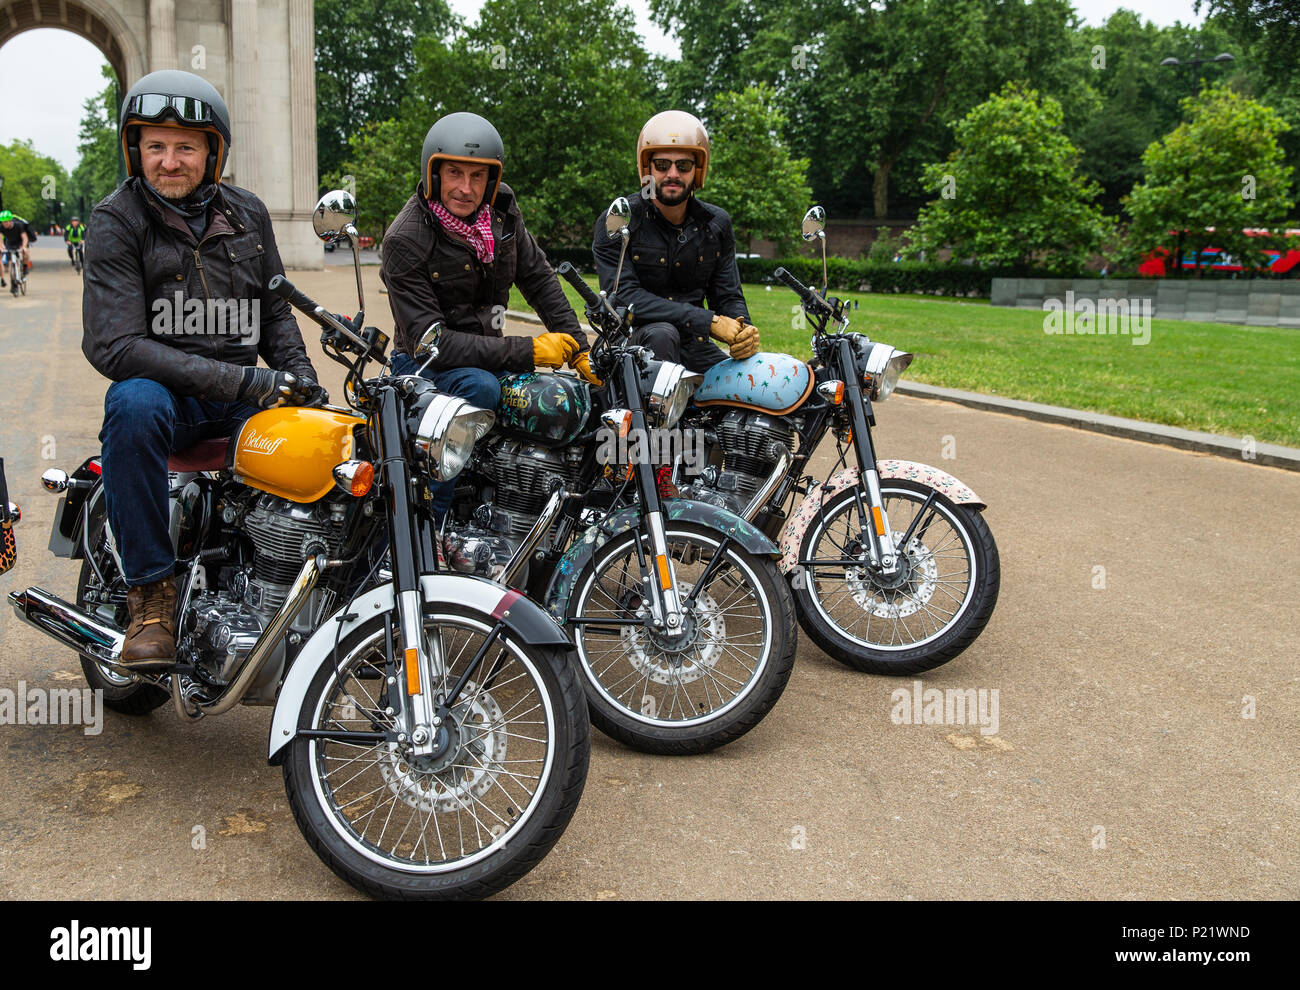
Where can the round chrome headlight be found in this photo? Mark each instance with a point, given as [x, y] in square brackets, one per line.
[881, 367]
[670, 390]
[448, 429]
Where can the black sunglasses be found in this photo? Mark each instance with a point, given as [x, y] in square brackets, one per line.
[152, 106]
[685, 166]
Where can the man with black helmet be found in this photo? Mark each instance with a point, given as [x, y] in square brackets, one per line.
[681, 253]
[450, 257]
[174, 232]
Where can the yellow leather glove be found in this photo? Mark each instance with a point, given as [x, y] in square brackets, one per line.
[582, 365]
[739, 336]
[553, 350]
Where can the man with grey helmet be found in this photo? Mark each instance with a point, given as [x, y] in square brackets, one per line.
[174, 232]
[450, 258]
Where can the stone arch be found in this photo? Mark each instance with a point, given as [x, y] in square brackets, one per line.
[98, 21]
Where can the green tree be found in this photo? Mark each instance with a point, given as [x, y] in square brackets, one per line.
[752, 174]
[32, 182]
[95, 175]
[381, 169]
[1010, 192]
[365, 54]
[566, 83]
[871, 89]
[1221, 168]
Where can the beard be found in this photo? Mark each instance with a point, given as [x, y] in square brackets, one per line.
[673, 197]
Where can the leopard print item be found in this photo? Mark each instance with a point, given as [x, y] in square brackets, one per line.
[8, 547]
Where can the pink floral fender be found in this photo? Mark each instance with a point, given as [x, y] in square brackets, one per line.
[807, 510]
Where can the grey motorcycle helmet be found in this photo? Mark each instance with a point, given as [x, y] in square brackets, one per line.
[463, 137]
[175, 98]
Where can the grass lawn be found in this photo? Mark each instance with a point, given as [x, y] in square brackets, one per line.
[1221, 378]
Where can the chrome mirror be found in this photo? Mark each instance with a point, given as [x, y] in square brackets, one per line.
[814, 226]
[334, 218]
[335, 212]
[617, 218]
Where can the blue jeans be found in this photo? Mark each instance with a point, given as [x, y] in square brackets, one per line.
[144, 423]
[474, 385]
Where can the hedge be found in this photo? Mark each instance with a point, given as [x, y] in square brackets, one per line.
[854, 275]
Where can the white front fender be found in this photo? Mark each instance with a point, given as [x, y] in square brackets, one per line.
[493, 600]
[890, 470]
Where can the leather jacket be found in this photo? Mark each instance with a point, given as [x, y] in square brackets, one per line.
[681, 276]
[143, 255]
[435, 276]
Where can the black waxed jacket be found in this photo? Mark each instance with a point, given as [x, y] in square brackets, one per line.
[434, 277]
[139, 255]
[681, 276]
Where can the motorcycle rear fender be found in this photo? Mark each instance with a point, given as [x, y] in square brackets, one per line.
[750, 537]
[890, 470]
[65, 534]
[525, 621]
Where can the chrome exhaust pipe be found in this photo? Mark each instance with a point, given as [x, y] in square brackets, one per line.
[783, 459]
[72, 626]
[299, 592]
[540, 528]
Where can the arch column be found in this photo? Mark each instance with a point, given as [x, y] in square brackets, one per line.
[162, 34]
[242, 97]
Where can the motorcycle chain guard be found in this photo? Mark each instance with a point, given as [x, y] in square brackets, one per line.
[890, 470]
[749, 537]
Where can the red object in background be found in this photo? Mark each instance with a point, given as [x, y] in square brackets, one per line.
[1156, 264]
[365, 241]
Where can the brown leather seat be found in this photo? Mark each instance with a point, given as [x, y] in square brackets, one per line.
[206, 455]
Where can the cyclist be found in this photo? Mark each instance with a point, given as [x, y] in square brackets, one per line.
[75, 238]
[15, 239]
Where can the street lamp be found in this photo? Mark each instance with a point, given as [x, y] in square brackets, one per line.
[1197, 63]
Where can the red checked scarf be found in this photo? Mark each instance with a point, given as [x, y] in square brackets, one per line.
[479, 233]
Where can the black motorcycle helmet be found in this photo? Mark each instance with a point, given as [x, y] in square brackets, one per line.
[463, 137]
[174, 98]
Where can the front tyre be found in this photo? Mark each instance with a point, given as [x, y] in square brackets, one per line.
[690, 693]
[474, 817]
[920, 618]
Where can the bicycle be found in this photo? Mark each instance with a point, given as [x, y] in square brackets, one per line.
[79, 257]
[17, 276]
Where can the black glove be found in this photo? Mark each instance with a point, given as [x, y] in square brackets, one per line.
[306, 392]
[267, 389]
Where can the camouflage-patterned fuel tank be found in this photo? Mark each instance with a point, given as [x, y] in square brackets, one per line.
[546, 408]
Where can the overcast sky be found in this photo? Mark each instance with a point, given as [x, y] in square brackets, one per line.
[52, 72]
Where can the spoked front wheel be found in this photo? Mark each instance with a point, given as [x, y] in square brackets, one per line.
[484, 808]
[915, 620]
[691, 690]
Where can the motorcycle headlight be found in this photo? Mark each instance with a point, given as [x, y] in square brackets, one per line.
[448, 429]
[670, 390]
[882, 365]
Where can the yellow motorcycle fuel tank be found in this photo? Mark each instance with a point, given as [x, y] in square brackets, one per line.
[291, 451]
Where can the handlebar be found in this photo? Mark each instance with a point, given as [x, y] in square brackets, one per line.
[286, 290]
[809, 297]
[570, 275]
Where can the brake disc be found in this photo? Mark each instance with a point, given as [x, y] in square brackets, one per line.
[682, 658]
[912, 595]
[463, 769]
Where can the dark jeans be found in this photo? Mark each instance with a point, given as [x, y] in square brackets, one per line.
[666, 343]
[144, 423]
[474, 385]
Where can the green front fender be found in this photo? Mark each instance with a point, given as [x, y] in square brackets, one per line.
[676, 510]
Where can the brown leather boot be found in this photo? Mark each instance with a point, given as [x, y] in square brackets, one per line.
[151, 637]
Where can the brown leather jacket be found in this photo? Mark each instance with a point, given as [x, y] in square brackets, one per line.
[434, 276]
[139, 256]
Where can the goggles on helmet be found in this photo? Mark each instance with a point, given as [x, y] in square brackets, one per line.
[153, 106]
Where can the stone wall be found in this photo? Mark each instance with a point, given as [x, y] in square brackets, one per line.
[1254, 302]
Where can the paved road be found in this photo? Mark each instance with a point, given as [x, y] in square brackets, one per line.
[1123, 768]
